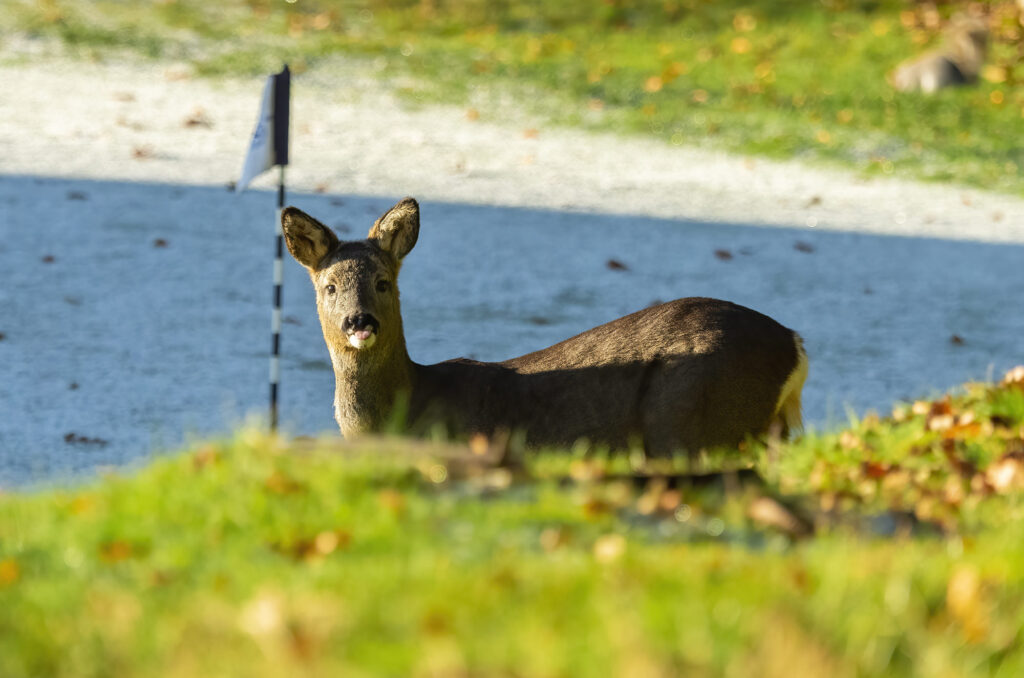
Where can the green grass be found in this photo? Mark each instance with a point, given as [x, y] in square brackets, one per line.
[768, 77]
[258, 557]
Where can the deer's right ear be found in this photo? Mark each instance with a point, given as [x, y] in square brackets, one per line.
[308, 240]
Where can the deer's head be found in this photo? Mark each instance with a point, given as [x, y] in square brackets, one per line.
[356, 281]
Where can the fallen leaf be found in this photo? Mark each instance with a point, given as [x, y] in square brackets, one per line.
[616, 265]
[653, 84]
[724, 255]
[159, 243]
[813, 202]
[49, 259]
[77, 439]
[198, 118]
[956, 340]
[142, 152]
[740, 45]
[874, 469]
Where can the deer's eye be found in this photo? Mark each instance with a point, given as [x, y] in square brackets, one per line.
[383, 286]
[330, 289]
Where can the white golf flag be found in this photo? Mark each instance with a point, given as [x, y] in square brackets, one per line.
[269, 145]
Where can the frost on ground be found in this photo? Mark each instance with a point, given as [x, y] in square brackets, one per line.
[135, 303]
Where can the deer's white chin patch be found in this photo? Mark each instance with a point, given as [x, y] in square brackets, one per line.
[362, 339]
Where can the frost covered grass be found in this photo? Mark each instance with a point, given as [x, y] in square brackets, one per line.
[773, 78]
[895, 547]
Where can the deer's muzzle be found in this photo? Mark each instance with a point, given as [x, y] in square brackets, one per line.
[361, 330]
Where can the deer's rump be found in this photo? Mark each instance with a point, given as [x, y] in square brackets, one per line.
[688, 374]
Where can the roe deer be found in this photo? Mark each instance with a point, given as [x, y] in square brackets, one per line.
[957, 62]
[685, 375]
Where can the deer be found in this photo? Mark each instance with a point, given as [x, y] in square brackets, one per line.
[683, 376]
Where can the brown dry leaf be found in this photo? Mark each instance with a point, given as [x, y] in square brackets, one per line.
[653, 84]
[198, 118]
[159, 243]
[875, 469]
[616, 265]
[143, 152]
[956, 340]
[963, 430]
[724, 255]
[740, 45]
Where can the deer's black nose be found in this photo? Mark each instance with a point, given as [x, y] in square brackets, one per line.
[358, 322]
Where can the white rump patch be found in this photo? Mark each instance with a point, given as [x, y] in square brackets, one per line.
[788, 408]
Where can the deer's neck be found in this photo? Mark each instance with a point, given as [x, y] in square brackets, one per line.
[369, 384]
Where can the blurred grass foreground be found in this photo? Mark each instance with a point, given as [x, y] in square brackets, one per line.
[894, 548]
[770, 77]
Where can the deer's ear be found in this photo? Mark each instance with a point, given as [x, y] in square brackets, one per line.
[398, 228]
[308, 240]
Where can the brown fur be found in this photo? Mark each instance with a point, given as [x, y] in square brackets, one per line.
[689, 374]
[957, 62]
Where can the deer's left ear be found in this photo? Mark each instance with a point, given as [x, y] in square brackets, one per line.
[398, 228]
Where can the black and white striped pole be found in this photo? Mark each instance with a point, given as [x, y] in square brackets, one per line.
[282, 95]
[269, 147]
[275, 317]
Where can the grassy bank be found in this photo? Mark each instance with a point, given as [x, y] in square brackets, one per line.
[782, 79]
[893, 548]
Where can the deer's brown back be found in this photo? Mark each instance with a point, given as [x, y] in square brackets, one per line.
[687, 374]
